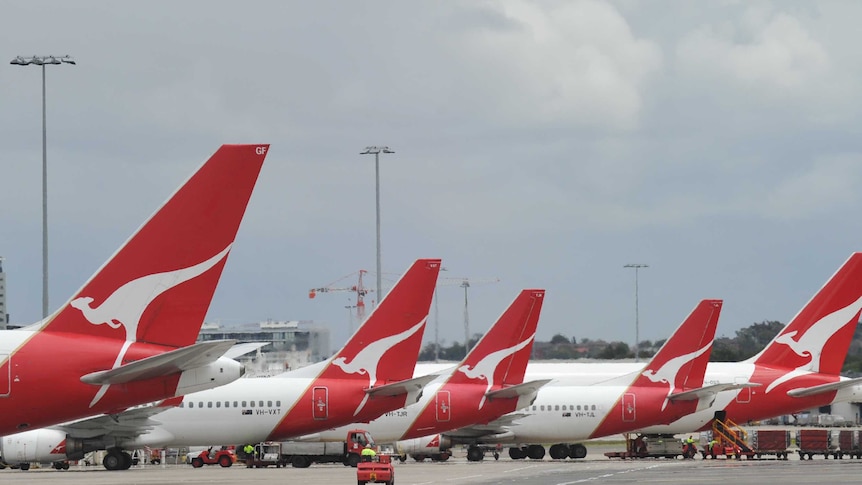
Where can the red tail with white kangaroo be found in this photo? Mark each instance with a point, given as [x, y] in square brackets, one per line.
[800, 368]
[489, 382]
[671, 384]
[119, 340]
[372, 373]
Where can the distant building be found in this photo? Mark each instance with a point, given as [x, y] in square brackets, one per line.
[4, 316]
[292, 344]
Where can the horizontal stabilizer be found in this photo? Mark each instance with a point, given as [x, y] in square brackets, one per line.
[709, 391]
[810, 391]
[239, 350]
[498, 427]
[182, 359]
[400, 387]
[522, 389]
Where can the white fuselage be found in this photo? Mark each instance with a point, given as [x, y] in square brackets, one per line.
[584, 385]
[244, 411]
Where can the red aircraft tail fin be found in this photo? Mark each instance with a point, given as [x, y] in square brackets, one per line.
[158, 286]
[818, 337]
[681, 361]
[387, 344]
[505, 349]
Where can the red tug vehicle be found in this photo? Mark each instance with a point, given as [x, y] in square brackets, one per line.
[223, 457]
[377, 470]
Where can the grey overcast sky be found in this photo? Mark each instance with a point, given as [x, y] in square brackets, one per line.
[545, 143]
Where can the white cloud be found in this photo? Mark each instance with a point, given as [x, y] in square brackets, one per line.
[569, 62]
[774, 55]
[830, 183]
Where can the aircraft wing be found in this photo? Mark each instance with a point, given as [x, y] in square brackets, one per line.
[810, 391]
[129, 423]
[522, 389]
[706, 395]
[182, 359]
[495, 428]
[401, 387]
[709, 391]
[239, 350]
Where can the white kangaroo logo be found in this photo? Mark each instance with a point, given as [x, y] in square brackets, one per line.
[124, 307]
[367, 360]
[485, 368]
[810, 344]
[667, 373]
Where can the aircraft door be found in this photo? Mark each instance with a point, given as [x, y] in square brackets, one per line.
[629, 407]
[320, 402]
[444, 406]
[5, 374]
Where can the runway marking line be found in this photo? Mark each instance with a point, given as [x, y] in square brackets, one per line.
[608, 475]
[519, 469]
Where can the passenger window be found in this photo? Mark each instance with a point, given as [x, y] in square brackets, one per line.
[209, 404]
[542, 407]
[251, 404]
[260, 403]
[234, 404]
[227, 404]
[200, 404]
[557, 407]
[579, 407]
[278, 404]
[269, 404]
[218, 404]
[244, 404]
[594, 407]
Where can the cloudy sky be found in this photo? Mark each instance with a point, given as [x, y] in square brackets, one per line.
[547, 144]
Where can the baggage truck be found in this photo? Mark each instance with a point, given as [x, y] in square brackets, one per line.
[300, 454]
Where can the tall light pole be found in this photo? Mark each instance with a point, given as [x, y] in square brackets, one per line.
[466, 284]
[637, 335]
[377, 150]
[43, 61]
[436, 323]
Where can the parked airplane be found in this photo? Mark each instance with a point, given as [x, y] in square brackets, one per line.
[670, 386]
[126, 337]
[799, 369]
[369, 376]
[487, 384]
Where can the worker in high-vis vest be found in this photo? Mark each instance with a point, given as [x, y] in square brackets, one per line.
[249, 454]
[368, 453]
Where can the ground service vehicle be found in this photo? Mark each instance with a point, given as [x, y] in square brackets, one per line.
[265, 454]
[377, 470]
[301, 454]
[650, 446]
[223, 457]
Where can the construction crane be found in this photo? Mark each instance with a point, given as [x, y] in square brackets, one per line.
[358, 288]
[463, 283]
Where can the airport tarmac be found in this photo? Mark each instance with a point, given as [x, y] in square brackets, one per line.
[595, 469]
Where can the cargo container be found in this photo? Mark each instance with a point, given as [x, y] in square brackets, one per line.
[816, 442]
